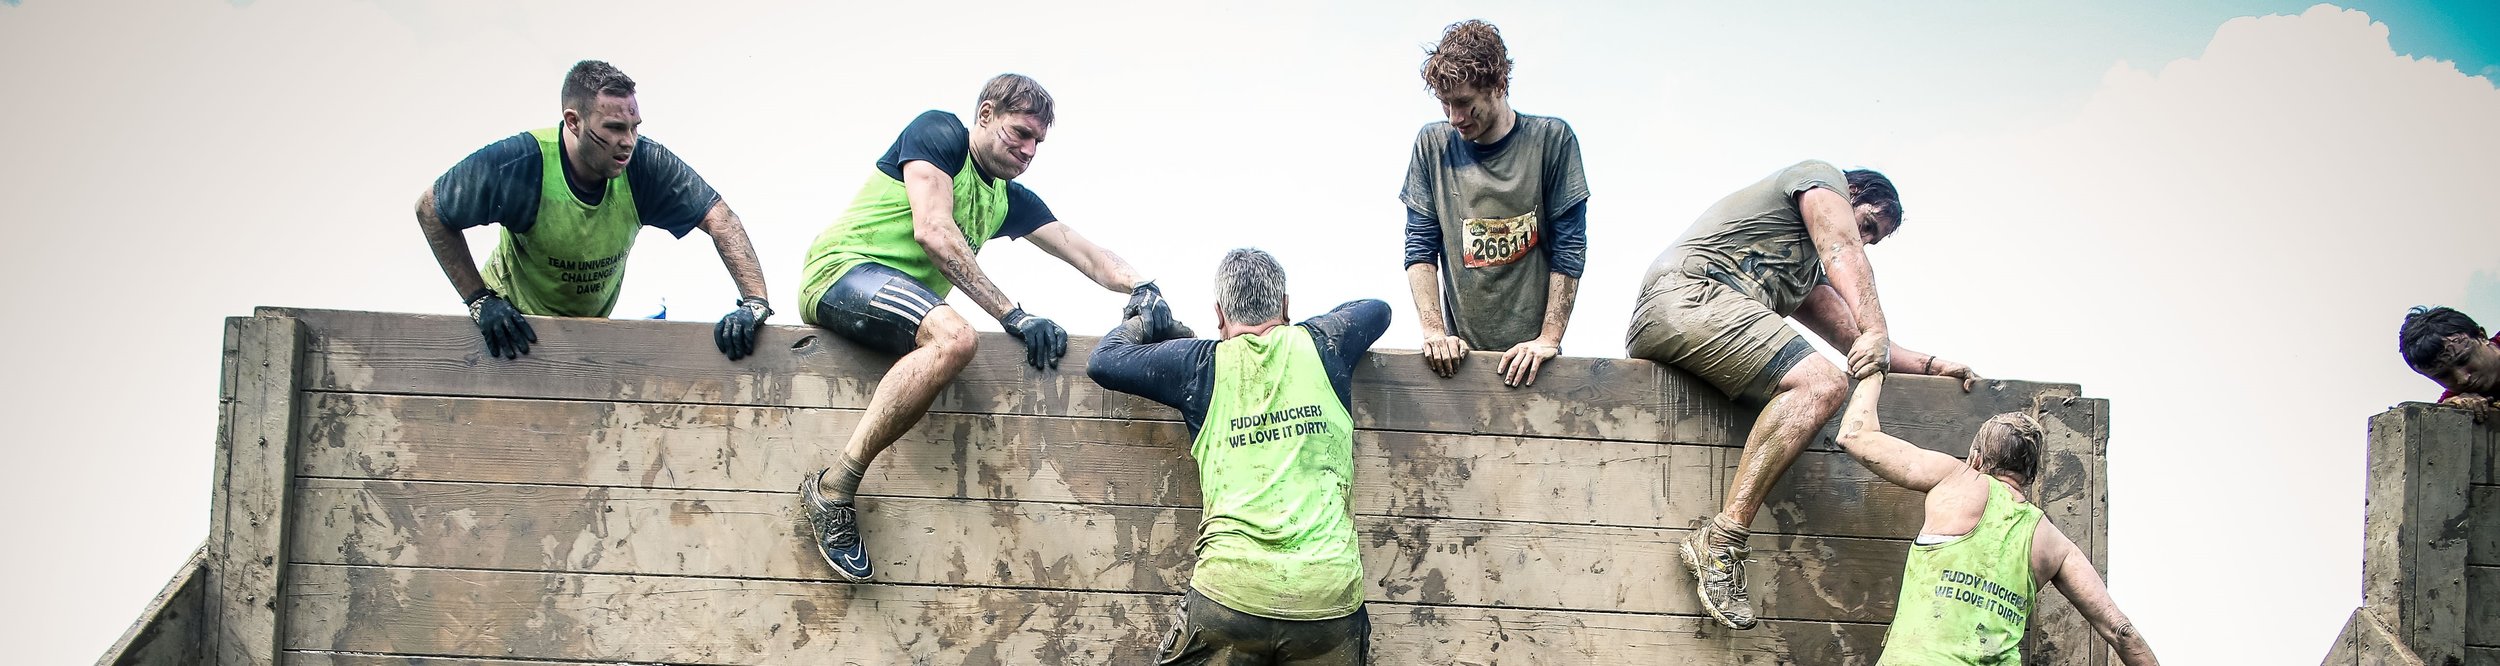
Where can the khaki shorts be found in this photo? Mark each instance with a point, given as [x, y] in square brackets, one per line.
[1710, 330]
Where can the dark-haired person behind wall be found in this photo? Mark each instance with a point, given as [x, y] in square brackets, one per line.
[879, 275]
[1791, 244]
[1496, 215]
[1279, 576]
[2449, 348]
[1984, 551]
[571, 199]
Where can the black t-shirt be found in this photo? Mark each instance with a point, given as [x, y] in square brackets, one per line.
[1181, 373]
[939, 138]
[499, 184]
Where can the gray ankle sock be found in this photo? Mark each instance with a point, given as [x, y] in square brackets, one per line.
[1725, 532]
[842, 484]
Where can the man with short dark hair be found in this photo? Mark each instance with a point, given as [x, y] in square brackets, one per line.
[1279, 576]
[1496, 215]
[880, 274]
[1984, 551]
[571, 199]
[2449, 348]
[1791, 244]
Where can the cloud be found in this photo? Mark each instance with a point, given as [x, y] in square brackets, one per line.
[2223, 246]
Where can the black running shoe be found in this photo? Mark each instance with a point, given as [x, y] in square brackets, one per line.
[837, 530]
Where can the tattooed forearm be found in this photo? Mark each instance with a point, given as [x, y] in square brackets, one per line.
[451, 250]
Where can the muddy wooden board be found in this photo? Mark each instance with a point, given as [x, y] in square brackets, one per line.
[674, 362]
[1064, 459]
[1051, 546]
[574, 617]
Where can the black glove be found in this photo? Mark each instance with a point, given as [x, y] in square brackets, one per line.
[1044, 341]
[1147, 301]
[507, 334]
[735, 334]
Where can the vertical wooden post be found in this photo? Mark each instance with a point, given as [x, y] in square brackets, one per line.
[2073, 490]
[255, 444]
[2414, 548]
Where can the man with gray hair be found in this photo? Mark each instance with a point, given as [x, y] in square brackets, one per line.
[1279, 577]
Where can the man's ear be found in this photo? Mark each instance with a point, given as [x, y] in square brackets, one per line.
[1220, 324]
[981, 116]
[1284, 308]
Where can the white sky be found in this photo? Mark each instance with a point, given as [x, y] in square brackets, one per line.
[2221, 244]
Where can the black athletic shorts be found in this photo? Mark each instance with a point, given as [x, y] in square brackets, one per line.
[877, 307]
[1206, 632]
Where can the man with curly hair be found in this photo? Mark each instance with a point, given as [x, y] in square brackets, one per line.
[571, 199]
[1496, 215]
[2449, 348]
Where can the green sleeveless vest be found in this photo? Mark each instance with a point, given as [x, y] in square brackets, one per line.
[878, 228]
[1966, 601]
[1275, 468]
[571, 263]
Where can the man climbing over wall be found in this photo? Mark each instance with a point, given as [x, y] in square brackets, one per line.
[1984, 551]
[880, 274]
[1791, 244]
[1496, 215]
[2449, 348]
[571, 199]
[1279, 578]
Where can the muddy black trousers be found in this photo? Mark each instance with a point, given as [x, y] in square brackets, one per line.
[1206, 632]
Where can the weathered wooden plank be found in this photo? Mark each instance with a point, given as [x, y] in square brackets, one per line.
[1048, 546]
[2367, 641]
[2414, 548]
[2486, 461]
[247, 536]
[168, 631]
[1061, 460]
[2482, 606]
[657, 361]
[311, 658]
[577, 617]
[2069, 492]
[2482, 656]
[2483, 527]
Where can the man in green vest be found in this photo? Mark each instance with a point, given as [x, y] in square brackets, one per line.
[1496, 215]
[1984, 551]
[1279, 577]
[571, 200]
[880, 274]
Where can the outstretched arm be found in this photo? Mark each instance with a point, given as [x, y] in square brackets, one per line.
[1902, 463]
[2082, 585]
[932, 194]
[1833, 226]
[729, 236]
[1097, 263]
[1825, 313]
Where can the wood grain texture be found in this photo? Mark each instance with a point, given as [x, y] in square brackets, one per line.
[1050, 546]
[247, 538]
[168, 631]
[2072, 495]
[2483, 527]
[2414, 549]
[1062, 460]
[518, 615]
[674, 362]
[2482, 607]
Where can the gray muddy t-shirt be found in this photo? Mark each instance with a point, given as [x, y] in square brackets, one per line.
[1755, 241]
[1496, 206]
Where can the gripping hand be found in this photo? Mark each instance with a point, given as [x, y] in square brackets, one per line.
[1044, 341]
[1147, 301]
[735, 334]
[507, 334]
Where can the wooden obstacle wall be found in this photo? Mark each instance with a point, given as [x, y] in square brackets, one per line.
[2431, 543]
[389, 495]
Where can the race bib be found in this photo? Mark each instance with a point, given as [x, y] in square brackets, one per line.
[1494, 242]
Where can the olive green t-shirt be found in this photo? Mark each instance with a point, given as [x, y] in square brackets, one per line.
[1496, 205]
[1755, 240]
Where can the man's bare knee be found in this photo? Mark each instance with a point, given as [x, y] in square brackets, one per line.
[952, 339]
[1818, 383]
